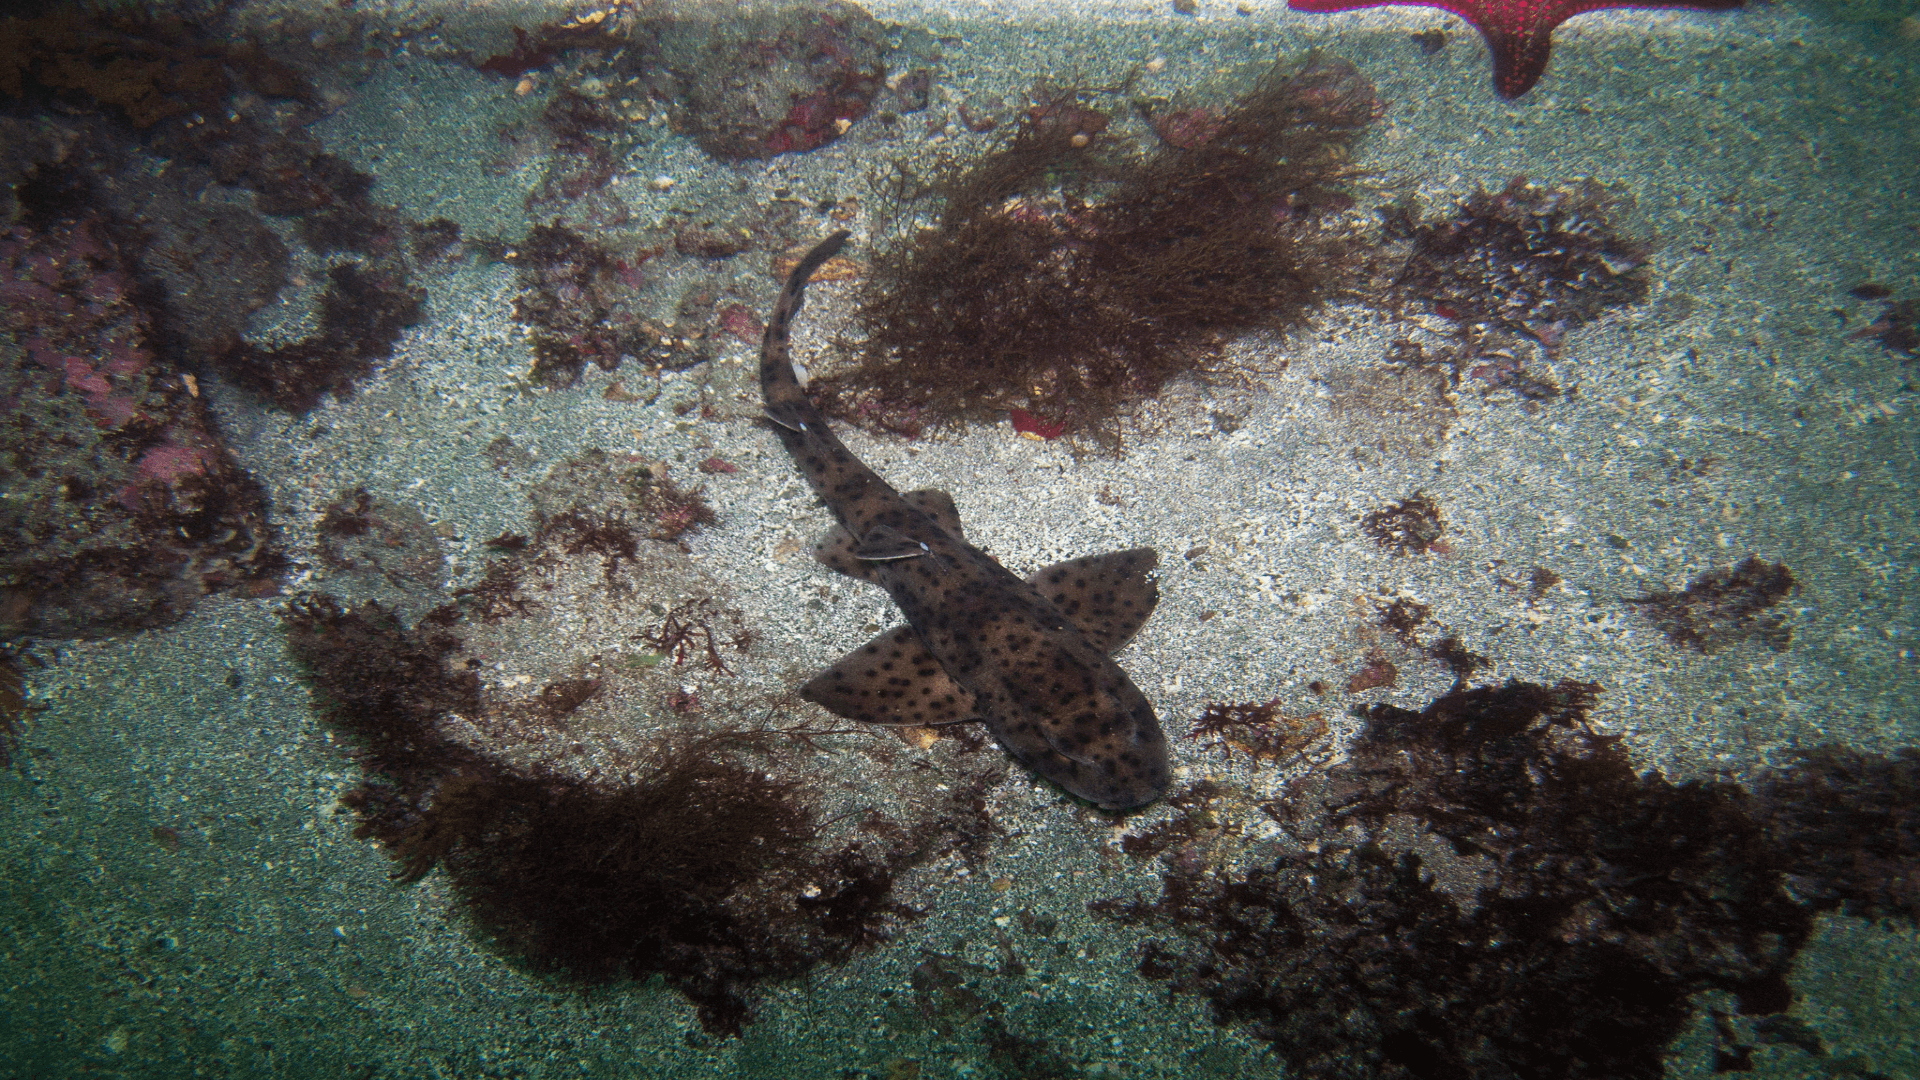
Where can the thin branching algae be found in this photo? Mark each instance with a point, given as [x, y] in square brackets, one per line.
[1259, 730]
[1071, 283]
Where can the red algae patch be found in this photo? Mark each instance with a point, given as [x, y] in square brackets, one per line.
[126, 507]
[1071, 281]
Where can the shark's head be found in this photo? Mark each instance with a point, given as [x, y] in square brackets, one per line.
[1108, 750]
[1133, 770]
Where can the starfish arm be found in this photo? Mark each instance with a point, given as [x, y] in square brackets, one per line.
[1327, 7]
[1518, 59]
[1519, 33]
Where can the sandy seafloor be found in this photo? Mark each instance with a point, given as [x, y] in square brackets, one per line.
[1772, 154]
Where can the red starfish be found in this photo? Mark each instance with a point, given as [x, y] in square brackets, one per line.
[1518, 32]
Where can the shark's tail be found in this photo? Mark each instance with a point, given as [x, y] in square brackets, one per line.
[785, 399]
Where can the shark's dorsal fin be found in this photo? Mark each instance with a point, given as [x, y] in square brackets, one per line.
[891, 680]
[884, 543]
[835, 550]
[1107, 596]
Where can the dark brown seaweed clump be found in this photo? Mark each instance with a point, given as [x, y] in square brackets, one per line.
[1032, 296]
[1412, 525]
[226, 115]
[1196, 822]
[1529, 260]
[571, 289]
[585, 137]
[1897, 328]
[1720, 607]
[368, 301]
[700, 867]
[582, 302]
[1484, 888]
[362, 314]
[1849, 824]
[1450, 651]
[146, 69]
[1403, 616]
[434, 241]
[1259, 730]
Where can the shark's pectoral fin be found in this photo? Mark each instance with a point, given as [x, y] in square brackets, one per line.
[894, 680]
[884, 543]
[1107, 596]
[937, 505]
[835, 551]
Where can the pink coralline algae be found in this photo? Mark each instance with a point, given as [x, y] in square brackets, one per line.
[108, 408]
[815, 119]
[162, 473]
[166, 464]
[735, 319]
[124, 507]
[68, 298]
[1026, 423]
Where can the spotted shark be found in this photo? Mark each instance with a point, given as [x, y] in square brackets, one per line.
[1030, 659]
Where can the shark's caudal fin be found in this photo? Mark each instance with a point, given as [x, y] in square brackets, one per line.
[786, 402]
[894, 680]
[816, 258]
